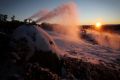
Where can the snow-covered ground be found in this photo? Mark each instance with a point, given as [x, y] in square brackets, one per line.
[66, 46]
[93, 53]
[81, 59]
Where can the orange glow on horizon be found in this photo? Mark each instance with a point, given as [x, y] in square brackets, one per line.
[98, 25]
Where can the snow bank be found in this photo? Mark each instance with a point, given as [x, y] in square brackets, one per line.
[31, 38]
[87, 51]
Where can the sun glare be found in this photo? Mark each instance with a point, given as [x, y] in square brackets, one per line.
[98, 25]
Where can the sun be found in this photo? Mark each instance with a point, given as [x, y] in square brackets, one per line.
[98, 25]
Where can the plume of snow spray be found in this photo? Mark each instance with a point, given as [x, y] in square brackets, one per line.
[66, 15]
[39, 14]
[63, 9]
[106, 39]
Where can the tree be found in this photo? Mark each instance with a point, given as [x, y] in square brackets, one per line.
[3, 17]
[13, 18]
[25, 20]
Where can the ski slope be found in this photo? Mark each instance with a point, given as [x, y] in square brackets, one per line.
[66, 46]
[88, 52]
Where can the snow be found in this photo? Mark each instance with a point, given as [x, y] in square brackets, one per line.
[35, 38]
[63, 46]
[86, 51]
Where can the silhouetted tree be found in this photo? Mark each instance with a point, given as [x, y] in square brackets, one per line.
[13, 18]
[25, 20]
[3, 17]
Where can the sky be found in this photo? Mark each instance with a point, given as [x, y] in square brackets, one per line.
[90, 11]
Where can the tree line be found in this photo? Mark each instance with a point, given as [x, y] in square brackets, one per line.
[4, 18]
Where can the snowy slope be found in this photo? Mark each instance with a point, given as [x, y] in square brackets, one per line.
[86, 51]
[38, 39]
[81, 60]
[31, 39]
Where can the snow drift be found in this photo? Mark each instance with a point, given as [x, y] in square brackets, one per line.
[31, 43]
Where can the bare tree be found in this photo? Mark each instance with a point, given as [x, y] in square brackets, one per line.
[25, 20]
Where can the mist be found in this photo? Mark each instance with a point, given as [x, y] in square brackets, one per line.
[39, 14]
[66, 15]
[106, 39]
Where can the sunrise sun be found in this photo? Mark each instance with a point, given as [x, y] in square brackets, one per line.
[98, 25]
